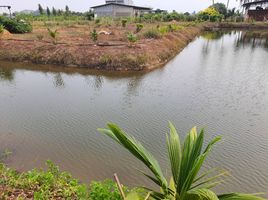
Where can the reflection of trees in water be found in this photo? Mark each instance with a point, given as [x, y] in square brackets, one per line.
[133, 85]
[95, 81]
[213, 35]
[58, 81]
[6, 74]
[253, 39]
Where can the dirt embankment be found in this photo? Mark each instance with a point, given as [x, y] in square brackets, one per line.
[233, 25]
[108, 55]
[75, 49]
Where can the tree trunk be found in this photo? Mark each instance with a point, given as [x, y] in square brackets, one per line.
[227, 5]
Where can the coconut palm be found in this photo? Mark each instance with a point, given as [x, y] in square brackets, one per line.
[186, 161]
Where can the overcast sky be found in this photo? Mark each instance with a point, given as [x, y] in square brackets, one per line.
[84, 5]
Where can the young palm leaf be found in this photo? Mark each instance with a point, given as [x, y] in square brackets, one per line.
[139, 152]
[185, 160]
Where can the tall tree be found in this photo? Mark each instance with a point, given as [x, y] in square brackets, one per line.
[41, 10]
[54, 11]
[48, 11]
[67, 10]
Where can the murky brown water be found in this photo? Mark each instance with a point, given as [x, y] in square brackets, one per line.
[219, 82]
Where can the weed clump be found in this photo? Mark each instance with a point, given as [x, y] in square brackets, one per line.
[152, 34]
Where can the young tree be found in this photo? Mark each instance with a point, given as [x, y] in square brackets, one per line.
[41, 10]
[54, 11]
[48, 11]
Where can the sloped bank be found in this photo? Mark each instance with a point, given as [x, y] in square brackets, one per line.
[147, 54]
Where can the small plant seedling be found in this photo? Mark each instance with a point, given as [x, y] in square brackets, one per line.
[132, 38]
[2, 28]
[124, 22]
[94, 35]
[97, 21]
[40, 37]
[139, 27]
[53, 34]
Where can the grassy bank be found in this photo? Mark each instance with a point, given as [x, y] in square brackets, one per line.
[53, 184]
[155, 44]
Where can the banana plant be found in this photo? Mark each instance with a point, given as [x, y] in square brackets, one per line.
[186, 160]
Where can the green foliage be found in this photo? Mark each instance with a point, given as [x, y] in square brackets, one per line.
[169, 28]
[16, 25]
[97, 21]
[104, 190]
[94, 35]
[167, 17]
[124, 22]
[40, 9]
[221, 8]
[53, 34]
[186, 159]
[132, 38]
[152, 34]
[139, 27]
[89, 15]
[50, 184]
[2, 28]
[210, 14]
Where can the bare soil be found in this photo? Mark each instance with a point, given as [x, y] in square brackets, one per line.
[74, 47]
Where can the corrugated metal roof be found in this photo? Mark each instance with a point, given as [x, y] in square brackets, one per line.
[124, 5]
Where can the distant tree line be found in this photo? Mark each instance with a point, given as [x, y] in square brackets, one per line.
[60, 12]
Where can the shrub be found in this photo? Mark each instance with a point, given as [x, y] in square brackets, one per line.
[210, 14]
[132, 38]
[39, 37]
[152, 34]
[94, 35]
[53, 34]
[50, 184]
[16, 26]
[104, 190]
[124, 22]
[2, 28]
[139, 27]
[97, 21]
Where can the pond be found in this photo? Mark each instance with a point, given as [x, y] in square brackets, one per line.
[218, 82]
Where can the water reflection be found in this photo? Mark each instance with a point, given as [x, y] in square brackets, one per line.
[243, 39]
[253, 39]
[6, 74]
[58, 81]
[212, 83]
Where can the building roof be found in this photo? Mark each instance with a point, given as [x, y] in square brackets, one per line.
[125, 5]
[255, 2]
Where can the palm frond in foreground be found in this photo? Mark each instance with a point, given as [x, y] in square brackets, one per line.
[186, 160]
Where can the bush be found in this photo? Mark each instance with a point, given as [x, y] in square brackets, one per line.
[16, 26]
[94, 35]
[104, 190]
[152, 34]
[2, 28]
[210, 14]
[132, 38]
[139, 27]
[124, 22]
[50, 184]
[97, 21]
[53, 34]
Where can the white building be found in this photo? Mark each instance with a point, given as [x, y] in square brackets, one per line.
[119, 8]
